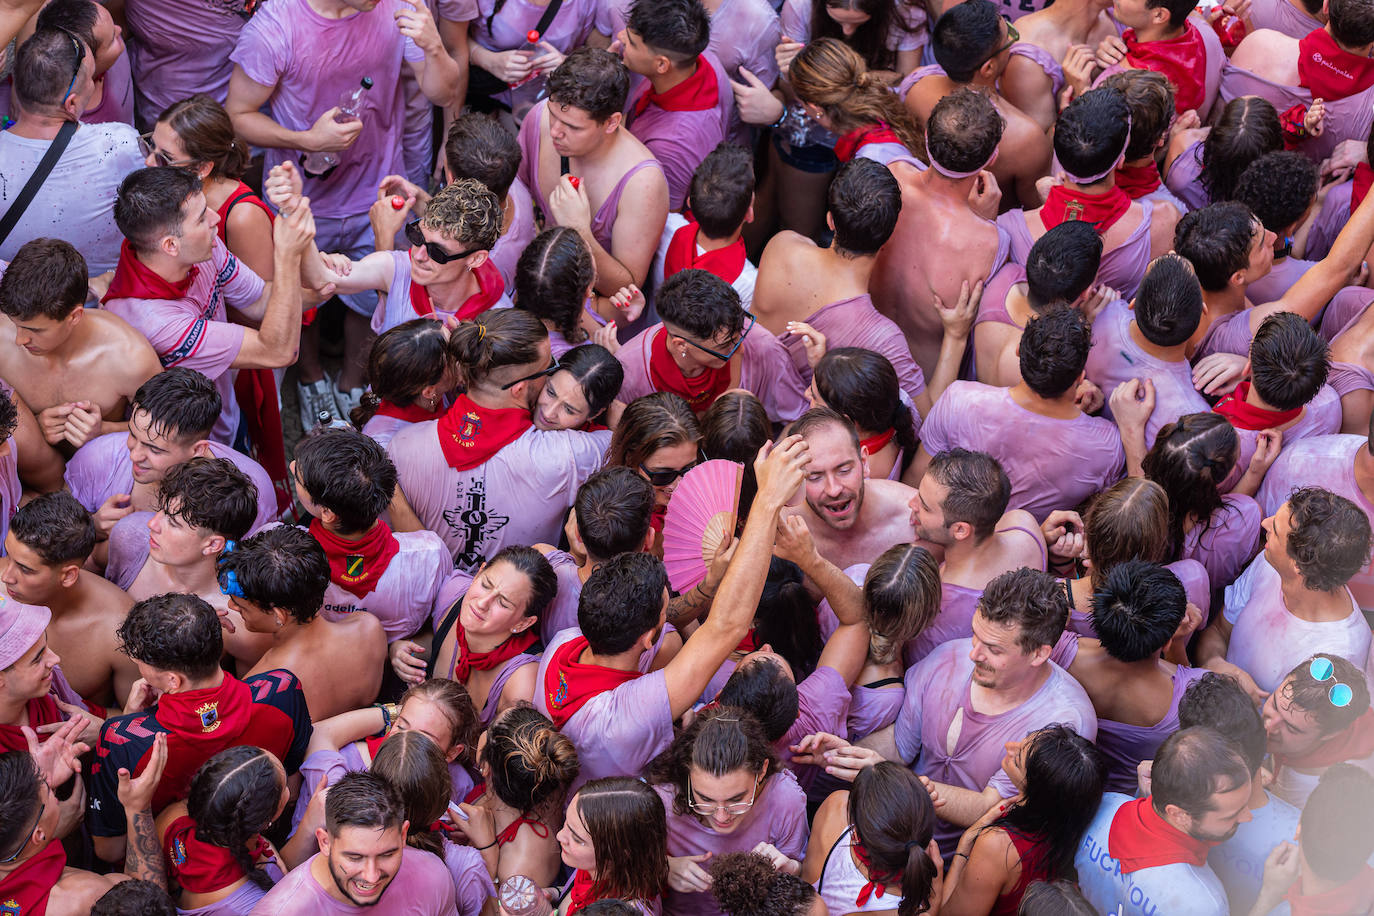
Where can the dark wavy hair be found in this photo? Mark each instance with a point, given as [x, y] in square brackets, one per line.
[531, 764]
[1190, 459]
[719, 741]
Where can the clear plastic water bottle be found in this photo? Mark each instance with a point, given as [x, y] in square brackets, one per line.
[350, 109]
[521, 895]
[525, 94]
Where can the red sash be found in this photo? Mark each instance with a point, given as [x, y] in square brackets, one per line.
[42, 711]
[569, 684]
[1183, 60]
[1354, 743]
[470, 434]
[357, 566]
[583, 891]
[1329, 72]
[1364, 178]
[465, 660]
[1101, 210]
[700, 391]
[1140, 838]
[877, 883]
[848, 145]
[25, 890]
[135, 280]
[697, 92]
[1248, 416]
[876, 444]
[1351, 897]
[490, 287]
[1138, 180]
[198, 866]
[411, 413]
[726, 263]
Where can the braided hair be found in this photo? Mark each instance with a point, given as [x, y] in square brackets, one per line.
[234, 796]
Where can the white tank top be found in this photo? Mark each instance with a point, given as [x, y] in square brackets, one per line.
[841, 881]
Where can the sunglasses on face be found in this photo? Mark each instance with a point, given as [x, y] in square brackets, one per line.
[435, 251]
[542, 373]
[725, 357]
[147, 147]
[1013, 37]
[662, 477]
[79, 50]
[1340, 694]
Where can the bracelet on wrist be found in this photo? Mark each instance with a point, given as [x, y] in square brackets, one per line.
[488, 846]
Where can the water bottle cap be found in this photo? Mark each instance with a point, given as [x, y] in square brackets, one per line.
[533, 36]
[367, 82]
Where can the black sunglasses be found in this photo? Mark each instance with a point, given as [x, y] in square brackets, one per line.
[542, 373]
[436, 253]
[664, 476]
[748, 326]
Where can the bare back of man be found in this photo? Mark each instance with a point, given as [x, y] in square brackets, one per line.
[796, 278]
[884, 520]
[1269, 54]
[84, 619]
[314, 652]
[1139, 694]
[1054, 30]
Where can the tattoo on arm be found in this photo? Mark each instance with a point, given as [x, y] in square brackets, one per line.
[683, 609]
[144, 857]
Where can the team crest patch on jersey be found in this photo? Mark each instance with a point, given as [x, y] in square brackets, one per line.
[559, 696]
[354, 567]
[469, 428]
[178, 852]
[11, 907]
[209, 716]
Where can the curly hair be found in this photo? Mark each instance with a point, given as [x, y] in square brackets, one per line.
[1278, 188]
[1328, 538]
[592, 80]
[210, 493]
[173, 632]
[719, 741]
[1031, 600]
[467, 212]
[747, 884]
[234, 797]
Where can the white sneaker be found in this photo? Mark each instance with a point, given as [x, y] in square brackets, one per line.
[316, 399]
[345, 401]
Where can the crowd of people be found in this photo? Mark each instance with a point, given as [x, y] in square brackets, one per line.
[1035, 340]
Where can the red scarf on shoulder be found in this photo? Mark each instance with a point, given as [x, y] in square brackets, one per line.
[1140, 838]
[201, 867]
[1329, 72]
[490, 287]
[411, 413]
[26, 889]
[135, 280]
[1101, 210]
[726, 263]
[877, 881]
[877, 443]
[847, 146]
[569, 684]
[1183, 60]
[1364, 179]
[583, 891]
[470, 434]
[700, 391]
[42, 711]
[697, 92]
[465, 661]
[357, 566]
[1138, 180]
[1248, 416]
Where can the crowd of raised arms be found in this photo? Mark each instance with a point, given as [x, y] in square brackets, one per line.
[686, 457]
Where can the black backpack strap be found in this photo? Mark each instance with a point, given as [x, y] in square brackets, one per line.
[441, 633]
[40, 174]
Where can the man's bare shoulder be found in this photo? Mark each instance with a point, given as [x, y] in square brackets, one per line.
[77, 891]
[890, 493]
[102, 599]
[1266, 51]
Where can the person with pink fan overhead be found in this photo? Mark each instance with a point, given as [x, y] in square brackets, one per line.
[659, 438]
[589, 681]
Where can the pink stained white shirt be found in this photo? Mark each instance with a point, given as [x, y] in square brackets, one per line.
[1268, 640]
[1346, 119]
[1274, 285]
[1115, 357]
[518, 496]
[1327, 462]
[405, 593]
[1228, 542]
[506, 29]
[777, 818]
[312, 61]
[1283, 16]
[180, 47]
[743, 284]
[194, 332]
[1321, 417]
[422, 886]
[394, 306]
[938, 701]
[562, 611]
[102, 467]
[765, 369]
[1122, 267]
[117, 99]
[1067, 461]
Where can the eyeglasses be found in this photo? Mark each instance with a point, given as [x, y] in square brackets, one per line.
[748, 326]
[43, 806]
[709, 809]
[435, 251]
[542, 373]
[147, 147]
[1340, 694]
[1013, 37]
[664, 476]
[79, 50]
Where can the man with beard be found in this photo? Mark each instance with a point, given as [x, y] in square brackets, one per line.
[1149, 855]
[362, 857]
[852, 518]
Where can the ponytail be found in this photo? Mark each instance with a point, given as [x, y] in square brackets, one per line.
[894, 819]
[494, 340]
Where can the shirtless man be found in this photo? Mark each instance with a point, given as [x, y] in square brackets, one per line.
[941, 243]
[276, 581]
[581, 123]
[77, 369]
[827, 288]
[48, 542]
[1056, 49]
[201, 506]
[852, 518]
[972, 44]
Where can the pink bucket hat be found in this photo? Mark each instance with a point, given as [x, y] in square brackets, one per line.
[21, 626]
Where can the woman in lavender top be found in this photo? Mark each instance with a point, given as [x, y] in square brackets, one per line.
[577, 395]
[863, 385]
[554, 280]
[614, 838]
[411, 372]
[1204, 164]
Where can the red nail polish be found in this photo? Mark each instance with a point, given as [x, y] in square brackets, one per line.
[575, 181]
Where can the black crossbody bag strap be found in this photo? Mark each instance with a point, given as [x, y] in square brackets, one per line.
[40, 174]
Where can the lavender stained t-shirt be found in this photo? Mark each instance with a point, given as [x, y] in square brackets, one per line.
[405, 593]
[855, 322]
[1229, 540]
[422, 887]
[180, 47]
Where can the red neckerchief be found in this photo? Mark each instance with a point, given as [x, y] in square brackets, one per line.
[470, 434]
[750, 642]
[1364, 179]
[374, 744]
[726, 263]
[583, 891]
[1355, 742]
[569, 684]
[198, 866]
[699, 391]
[877, 883]
[876, 444]
[42, 711]
[26, 889]
[490, 287]
[697, 92]
[1101, 210]
[656, 520]
[1329, 72]
[1248, 416]
[1348, 898]
[465, 660]
[1140, 838]
[1138, 180]
[848, 145]
[411, 413]
[357, 566]
[135, 280]
[1183, 60]
[540, 829]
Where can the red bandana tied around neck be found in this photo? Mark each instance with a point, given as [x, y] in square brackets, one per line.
[750, 642]
[1354, 743]
[1140, 838]
[569, 684]
[465, 660]
[726, 263]
[357, 566]
[469, 434]
[1138, 180]
[583, 891]
[1183, 60]
[877, 882]
[26, 889]
[201, 867]
[700, 391]
[490, 287]
[1328, 72]
[877, 443]
[848, 146]
[374, 744]
[411, 413]
[697, 92]
[1351, 897]
[1248, 416]
[1101, 210]
[135, 280]
[42, 711]
[1364, 178]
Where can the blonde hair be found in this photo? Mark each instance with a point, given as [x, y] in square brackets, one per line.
[467, 212]
[830, 74]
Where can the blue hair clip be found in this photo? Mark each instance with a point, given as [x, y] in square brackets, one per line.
[229, 545]
[229, 585]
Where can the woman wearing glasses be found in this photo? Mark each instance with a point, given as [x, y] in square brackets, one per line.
[658, 438]
[614, 839]
[725, 791]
